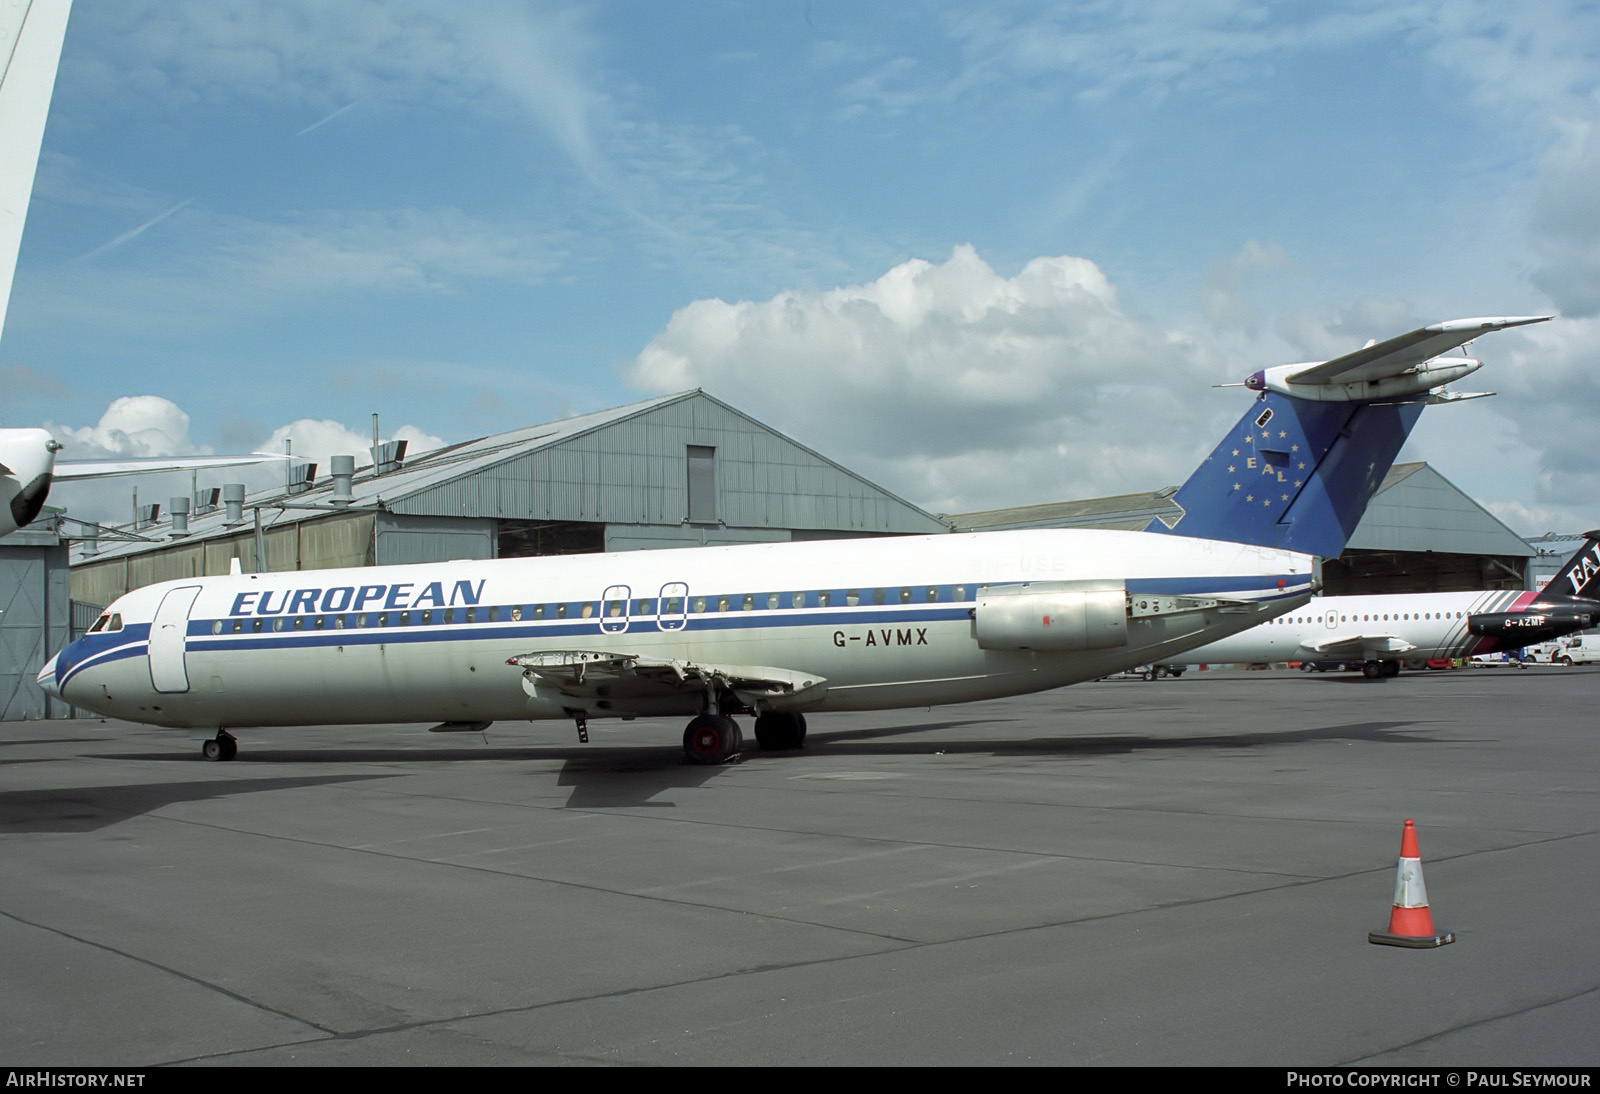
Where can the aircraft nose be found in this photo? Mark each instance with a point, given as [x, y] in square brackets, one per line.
[47, 678]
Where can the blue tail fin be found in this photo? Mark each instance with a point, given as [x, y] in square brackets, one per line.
[1293, 474]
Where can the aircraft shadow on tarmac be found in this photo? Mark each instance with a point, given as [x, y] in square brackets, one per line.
[90, 808]
[619, 776]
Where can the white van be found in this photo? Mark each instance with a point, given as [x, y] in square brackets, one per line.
[1580, 650]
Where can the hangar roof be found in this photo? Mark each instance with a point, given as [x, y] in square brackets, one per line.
[623, 465]
[1418, 509]
[1415, 509]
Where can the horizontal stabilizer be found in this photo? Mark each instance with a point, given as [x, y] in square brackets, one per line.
[1407, 351]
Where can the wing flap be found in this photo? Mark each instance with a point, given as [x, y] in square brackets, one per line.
[1368, 647]
[589, 674]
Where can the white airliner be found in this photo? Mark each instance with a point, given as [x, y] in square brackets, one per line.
[31, 34]
[1385, 631]
[773, 630]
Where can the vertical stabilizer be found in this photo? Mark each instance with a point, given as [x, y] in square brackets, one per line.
[1293, 474]
[31, 33]
[1579, 576]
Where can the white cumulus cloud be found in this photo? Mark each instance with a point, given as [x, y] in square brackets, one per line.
[955, 385]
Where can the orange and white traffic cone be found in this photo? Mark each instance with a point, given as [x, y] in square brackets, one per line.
[1410, 923]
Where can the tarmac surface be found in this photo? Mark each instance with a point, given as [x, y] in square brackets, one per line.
[1122, 872]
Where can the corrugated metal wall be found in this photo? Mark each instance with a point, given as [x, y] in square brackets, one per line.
[338, 540]
[35, 621]
[1424, 511]
[404, 539]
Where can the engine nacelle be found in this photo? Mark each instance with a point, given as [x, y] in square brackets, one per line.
[1052, 615]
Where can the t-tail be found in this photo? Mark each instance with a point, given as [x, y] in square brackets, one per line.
[1299, 468]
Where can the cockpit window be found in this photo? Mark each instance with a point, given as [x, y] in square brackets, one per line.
[100, 624]
[116, 622]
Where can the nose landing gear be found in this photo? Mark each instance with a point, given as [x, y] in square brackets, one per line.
[224, 746]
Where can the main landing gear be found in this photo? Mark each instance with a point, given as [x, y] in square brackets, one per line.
[777, 730]
[715, 738]
[1373, 670]
[711, 739]
[224, 746]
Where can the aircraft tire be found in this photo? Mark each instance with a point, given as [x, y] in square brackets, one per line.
[711, 739]
[224, 746]
[1391, 668]
[778, 730]
[1372, 670]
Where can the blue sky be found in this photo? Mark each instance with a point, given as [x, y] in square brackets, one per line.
[984, 254]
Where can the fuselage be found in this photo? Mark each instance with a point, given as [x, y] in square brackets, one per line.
[1377, 627]
[884, 622]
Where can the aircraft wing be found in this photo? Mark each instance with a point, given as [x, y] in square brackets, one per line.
[1395, 355]
[1367, 647]
[589, 674]
[144, 465]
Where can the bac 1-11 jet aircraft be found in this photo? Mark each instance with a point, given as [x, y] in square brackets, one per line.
[771, 630]
[1384, 631]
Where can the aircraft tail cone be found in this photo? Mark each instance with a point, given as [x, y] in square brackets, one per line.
[1410, 922]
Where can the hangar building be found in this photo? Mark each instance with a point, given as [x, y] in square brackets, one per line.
[676, 471]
